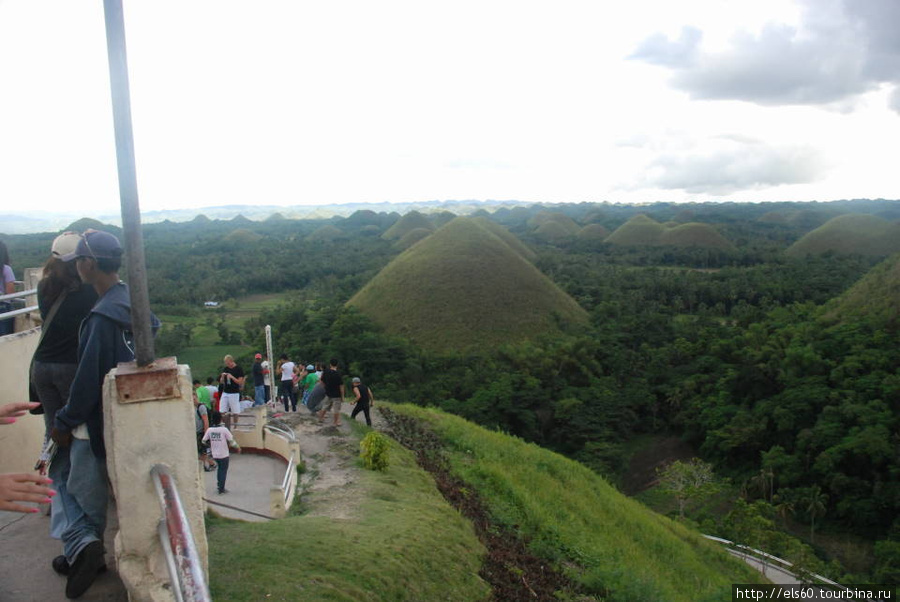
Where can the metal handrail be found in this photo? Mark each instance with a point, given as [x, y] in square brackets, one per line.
[286, 483]
[182, 558]
[16, 312]
[287, 432]
[18, 295]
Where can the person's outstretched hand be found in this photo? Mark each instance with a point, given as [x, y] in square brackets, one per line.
[10, 411]
[23, 487]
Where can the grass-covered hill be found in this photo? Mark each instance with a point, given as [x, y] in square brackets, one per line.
[409, 221]
[642, 230]
[411, 238]
[593, 231]
[326, 233]
[850, 234]
[695, 235]
[874, 298]
[608, 545]
[508, 237]
[563, 221]
[465, 286]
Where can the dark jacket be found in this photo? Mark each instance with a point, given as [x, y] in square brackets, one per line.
[104, 341]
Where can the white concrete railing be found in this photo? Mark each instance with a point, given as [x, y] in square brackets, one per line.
[21, 311]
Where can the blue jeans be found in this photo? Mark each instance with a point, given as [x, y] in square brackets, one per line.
[222, 472]
[81, 487]
[52, 382]
[259, 395]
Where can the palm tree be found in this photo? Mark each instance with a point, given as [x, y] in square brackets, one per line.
[816, 508]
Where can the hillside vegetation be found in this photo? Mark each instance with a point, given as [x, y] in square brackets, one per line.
[462, 287]
[608, 544]
[410, 221]
[850, 234]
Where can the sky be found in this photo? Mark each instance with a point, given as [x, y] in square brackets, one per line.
[269, 102]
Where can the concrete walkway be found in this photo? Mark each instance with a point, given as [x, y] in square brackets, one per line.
[250, 478]
[26, 550]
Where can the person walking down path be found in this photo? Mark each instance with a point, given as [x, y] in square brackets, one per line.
[219, 439]
[201, 425]
[334, 392]
[309, 381]
[364, 399]
[202, 393]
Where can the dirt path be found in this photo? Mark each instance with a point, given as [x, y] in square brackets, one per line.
[330, 485]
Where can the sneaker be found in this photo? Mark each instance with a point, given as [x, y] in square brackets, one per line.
[221, 491]
[85, 569]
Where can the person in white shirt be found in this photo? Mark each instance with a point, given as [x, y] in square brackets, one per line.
[286, 390]
[219, 439]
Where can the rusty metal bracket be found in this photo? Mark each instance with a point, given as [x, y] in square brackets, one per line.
[157, 381]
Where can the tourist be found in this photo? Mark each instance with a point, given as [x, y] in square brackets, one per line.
[202, 394]
[104, 342]
[364, 399]
[201, 425]
[286, 391]
[219, 438]
[8, 281]
[334, 392]
[309, 381]
[231, 381]
[259, 382]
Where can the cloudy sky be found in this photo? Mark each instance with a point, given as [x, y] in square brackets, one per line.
[298, 102]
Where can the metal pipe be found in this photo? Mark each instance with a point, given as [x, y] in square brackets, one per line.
[18, 295]
[128, 196]
[189, 576]
[16, 312]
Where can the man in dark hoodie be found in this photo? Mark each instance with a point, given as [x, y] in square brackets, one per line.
[105, 340]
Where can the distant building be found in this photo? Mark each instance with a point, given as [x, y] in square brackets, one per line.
[211, 304]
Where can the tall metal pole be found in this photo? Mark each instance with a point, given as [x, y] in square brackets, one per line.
[131, 212]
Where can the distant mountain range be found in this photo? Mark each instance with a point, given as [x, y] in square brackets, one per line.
[20, 223]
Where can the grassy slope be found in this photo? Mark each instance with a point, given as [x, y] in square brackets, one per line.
[464, 286]
[405, 543]
[695, 235]
[639, 230]
[874, 296]
[409, 221]
[853, 233]
[606, 541]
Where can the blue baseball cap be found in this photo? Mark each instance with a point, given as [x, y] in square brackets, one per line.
[96, 244]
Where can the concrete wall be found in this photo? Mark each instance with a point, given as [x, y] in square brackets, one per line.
[139, 434]
[20, 443]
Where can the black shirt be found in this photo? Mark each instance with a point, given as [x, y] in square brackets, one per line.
[332, 380]
[231, 386]
[60, 343]
[363, 395]
[258, 380]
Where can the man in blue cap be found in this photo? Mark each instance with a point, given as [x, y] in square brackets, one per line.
[105, 340]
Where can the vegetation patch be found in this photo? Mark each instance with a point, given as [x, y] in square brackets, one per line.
[598, 542]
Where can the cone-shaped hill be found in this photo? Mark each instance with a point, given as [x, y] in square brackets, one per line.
[408, 222]
[850, 234]
[563, 221]
[875, 297]
[463, 287]
[327, 233]
[411, 238]
[593, 231]
[508, 237]
[643, 230]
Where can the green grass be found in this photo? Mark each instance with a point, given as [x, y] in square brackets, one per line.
[643, 230]
[610, 544]
[405, 543]
[463, 287]
[850, 234]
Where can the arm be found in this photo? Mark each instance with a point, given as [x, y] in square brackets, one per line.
[234, 444]
[97, 357]
[371, 397]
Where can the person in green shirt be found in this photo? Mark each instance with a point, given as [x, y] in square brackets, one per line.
[308, 382]
[203, 394]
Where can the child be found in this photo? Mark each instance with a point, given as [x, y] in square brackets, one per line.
[219, 438]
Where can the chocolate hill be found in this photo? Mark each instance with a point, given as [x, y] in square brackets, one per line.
[854, 233]
[464, 287]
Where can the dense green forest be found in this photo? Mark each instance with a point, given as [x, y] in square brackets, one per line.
[765, 362]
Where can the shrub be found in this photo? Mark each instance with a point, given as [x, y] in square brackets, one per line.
[374, 452]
